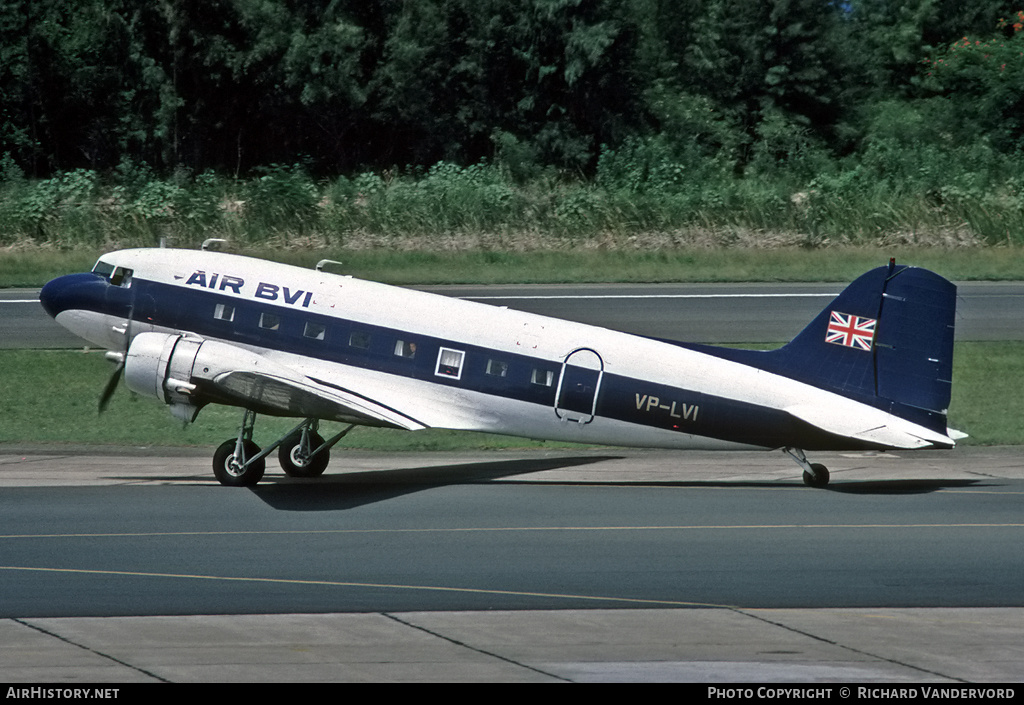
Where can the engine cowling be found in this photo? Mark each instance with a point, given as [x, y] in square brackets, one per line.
[161, 365]
[187, 373]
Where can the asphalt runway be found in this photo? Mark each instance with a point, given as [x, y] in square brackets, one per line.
[734, 313]
[569, 565]
[588, 566]
[699, 313]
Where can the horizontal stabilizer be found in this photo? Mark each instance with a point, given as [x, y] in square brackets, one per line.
[875, 428]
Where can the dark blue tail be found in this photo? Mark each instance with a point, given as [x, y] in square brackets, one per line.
[886, 340]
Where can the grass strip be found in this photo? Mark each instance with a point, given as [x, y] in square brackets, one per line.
[34, 267]
[51, 397]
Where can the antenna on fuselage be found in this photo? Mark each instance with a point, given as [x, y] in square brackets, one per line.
[324, 262]
[213, 243]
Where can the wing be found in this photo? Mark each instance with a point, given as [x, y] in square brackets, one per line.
[188, 372]
[293, 396]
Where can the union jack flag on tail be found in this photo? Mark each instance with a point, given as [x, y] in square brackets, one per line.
[850, 331]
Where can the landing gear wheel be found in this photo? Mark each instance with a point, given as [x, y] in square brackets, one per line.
[230, 472]
[296, 463]
[818, 478]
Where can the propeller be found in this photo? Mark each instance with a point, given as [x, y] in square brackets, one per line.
[120, 358]
[108, 389]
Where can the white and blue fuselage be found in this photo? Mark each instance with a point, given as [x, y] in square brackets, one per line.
[390, 356]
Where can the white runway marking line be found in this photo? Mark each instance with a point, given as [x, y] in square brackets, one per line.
[645, 296]
[518, 297]
[514, 529]
[346, 583]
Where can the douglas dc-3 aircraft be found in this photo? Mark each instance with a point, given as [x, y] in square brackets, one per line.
[871, 371]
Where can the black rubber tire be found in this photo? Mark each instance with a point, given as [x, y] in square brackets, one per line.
[227, 474]
[819, 478]
[312, 467]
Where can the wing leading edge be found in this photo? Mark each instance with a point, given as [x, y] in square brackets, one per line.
[269, 394]
[189, 373]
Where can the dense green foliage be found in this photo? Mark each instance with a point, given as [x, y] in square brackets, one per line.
[844, 121]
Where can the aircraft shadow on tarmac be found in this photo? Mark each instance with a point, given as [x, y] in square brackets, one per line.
[879, 487]
[357, 489]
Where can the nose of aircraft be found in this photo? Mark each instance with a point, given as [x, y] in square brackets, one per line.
[67, 292]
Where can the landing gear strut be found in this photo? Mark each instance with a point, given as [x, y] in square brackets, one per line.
[302, 453]
[239, 462]
[815, 474]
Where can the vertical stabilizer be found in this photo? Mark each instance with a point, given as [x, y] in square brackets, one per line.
[887, 340]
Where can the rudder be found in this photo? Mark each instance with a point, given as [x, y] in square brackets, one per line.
[886, 340]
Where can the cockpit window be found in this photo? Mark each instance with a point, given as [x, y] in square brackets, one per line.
[102, 268]
[122, 277]
[118, 276]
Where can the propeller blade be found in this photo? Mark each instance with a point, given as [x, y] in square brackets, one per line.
[108, 390]
[128, 327]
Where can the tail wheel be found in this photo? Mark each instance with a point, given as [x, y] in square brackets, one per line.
[296, 461]
[229, 470]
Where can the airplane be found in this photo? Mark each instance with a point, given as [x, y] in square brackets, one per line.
[873, 370]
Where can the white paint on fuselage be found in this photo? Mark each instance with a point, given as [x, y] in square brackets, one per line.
[482, 325]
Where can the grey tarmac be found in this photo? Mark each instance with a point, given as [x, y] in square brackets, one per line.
[709, 645]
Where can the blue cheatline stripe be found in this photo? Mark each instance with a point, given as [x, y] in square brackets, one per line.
[568, 297]
[621, 398]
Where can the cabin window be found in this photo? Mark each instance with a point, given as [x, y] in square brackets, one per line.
[497, 368]
[359, 339]
[544, 378]
[270, 321]
[404, 348]
[224, 312]
[314, 331]
[449, 363]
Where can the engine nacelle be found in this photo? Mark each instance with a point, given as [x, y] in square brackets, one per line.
[160, 365]
[187, 373]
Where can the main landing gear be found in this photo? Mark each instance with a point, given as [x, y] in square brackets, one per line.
[302, 452]
[815, 474]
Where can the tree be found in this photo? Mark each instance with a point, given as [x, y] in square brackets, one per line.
[980, 76]
[554, 74]
[766, 67]
[62, 72]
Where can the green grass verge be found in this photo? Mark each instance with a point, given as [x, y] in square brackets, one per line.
[34, 267]
[988, 392]
[51, 396]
